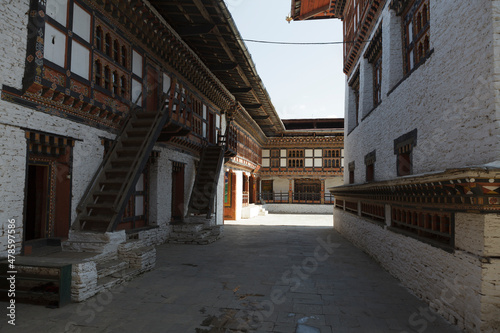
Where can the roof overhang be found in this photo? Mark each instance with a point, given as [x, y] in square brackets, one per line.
[303, 10]
[216, 40]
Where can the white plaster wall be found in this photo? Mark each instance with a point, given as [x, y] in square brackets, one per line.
[163, 198]
[449, 282]
[14, 20]
[238, 201]
[87, 155]
[331, 182]
[281, 185]
[12, 174]
[449, 99]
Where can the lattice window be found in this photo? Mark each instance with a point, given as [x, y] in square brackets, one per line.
[98, 73]
[124, 56]
[416, 28]
[374, 56]
[98, 38]
[377, 80]
[116, 83]
[354, 85]
[295, 163]
[107, 44]
[331, 163]
[116, 51]
[296, 153]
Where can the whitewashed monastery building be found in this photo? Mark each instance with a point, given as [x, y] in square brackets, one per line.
[421, 190]
[126, 124]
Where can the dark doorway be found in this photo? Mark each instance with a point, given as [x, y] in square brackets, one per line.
[37, 201]
[177, 192]
[62, 218]
[153, 91]
[252, 189]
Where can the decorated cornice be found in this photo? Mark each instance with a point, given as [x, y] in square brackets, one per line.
[306, 141]
[466, 190]
[141, 19]
[267, 172]
[240, 163]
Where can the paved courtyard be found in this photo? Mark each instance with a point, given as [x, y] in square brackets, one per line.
[260, 277]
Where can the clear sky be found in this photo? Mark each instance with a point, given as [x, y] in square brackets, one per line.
[303, 81]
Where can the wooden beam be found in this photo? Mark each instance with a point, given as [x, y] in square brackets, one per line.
[223, 67]
[240, 90]
[251, 106]
[260, 117]
[305, 16]
[195, 30]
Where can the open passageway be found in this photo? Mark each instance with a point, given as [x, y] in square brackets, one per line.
[260, 277]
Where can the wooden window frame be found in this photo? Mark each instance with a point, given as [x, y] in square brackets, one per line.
[352, 167]
[403, 149]
[416, 34]
[370, 159]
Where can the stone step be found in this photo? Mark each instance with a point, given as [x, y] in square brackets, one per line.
[110, 267]
[207, 236]
[106, 283]
[188, 227]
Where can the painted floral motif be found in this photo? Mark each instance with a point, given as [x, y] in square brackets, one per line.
[79, 88]
[54, 76]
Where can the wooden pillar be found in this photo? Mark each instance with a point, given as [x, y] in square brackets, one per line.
[322, 195]
[290, 190]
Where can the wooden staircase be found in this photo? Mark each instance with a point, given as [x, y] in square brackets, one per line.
[207, 178]
[107, 194]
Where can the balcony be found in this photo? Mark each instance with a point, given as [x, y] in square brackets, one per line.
[296, 198]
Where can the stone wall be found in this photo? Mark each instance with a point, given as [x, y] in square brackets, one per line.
[425, 270]
[449, 95]
[453, 284]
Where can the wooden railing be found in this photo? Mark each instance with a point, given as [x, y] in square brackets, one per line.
[246, 198]
[296, 197]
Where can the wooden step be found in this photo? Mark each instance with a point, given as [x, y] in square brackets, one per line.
[142, 123]
[122, 161]
[101, 208]
[116, 172]
[127, 151]
[133, 141]
[105, 196]
[137, 132]
[111, 183]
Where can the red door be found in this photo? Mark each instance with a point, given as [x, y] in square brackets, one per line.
[177, 191]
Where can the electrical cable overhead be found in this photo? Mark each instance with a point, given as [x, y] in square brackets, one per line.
[299, 43]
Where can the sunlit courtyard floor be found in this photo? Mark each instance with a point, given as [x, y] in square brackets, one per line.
[279, 273]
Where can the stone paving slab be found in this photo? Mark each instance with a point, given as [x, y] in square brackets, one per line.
[257, 278]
